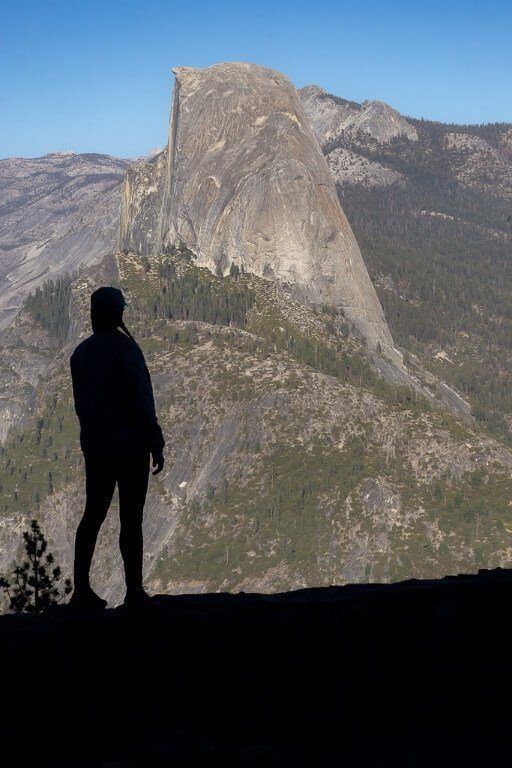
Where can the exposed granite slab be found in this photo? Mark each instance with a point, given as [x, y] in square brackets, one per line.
[246, 183]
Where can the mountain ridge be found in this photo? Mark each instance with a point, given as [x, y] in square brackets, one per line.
[433, 220]
[297, 463]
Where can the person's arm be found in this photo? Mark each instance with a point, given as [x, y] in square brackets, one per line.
[140, 394]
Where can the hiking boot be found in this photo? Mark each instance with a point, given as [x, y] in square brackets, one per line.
[139, 598]
[87, 600]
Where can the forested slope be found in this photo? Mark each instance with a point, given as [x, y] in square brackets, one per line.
[433, 218]
[290, 461]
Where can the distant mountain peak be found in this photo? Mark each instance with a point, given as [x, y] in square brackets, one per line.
[312, 89]
[243, 168]
[60, 154]
[330, 116]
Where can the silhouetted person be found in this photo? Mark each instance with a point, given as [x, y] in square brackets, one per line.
[118, 432]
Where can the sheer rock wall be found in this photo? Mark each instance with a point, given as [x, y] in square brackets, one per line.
[244, 182]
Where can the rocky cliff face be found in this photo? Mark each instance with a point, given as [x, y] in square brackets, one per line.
[350, 168]
[143, 192]
[57, 212]
[337, 123]
[479, 165]
[331, 116]
[246, 184]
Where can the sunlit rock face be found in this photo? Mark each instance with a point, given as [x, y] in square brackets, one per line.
[246, 183]
[57, 213]
[332, 117]
[141, 206]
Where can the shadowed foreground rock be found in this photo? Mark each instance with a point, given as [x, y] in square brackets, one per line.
[407, 674]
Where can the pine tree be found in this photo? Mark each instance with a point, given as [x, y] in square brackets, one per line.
[34, 584]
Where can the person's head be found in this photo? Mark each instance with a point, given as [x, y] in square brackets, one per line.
[107, 306]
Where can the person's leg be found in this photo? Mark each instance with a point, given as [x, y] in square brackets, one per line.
[133, 485]
[100, 483]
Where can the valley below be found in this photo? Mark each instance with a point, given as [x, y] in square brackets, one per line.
[322, 428]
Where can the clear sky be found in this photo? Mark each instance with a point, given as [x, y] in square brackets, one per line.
[94, 75]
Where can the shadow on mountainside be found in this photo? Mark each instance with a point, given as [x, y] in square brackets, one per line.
[408, 674]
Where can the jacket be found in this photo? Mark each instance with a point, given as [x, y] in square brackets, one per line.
[113, 396]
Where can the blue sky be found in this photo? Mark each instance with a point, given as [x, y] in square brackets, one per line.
[94, 75]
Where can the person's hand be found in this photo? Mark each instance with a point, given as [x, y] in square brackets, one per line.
[158, 462]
